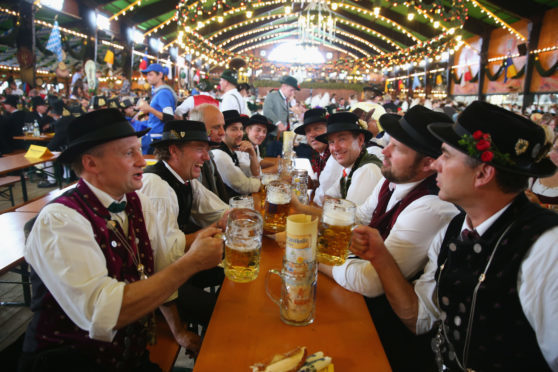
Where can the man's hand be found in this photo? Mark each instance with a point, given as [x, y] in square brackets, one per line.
[246, 146]
[206, 250]
[281, 127]
[367, 243]
[143, 106]
[188, 340]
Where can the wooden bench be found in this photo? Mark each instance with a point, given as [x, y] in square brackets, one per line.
[165, 351]
[6, 187]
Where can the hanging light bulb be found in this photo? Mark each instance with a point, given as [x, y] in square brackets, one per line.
[410, 16]
[249, 14]
[377, 10]
[220, 19]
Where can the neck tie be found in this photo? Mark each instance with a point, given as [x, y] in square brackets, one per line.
[383, 200]
[116, 207]
[344, 173]
[469, 235]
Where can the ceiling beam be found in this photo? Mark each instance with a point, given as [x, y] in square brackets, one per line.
[518, 8]
[153, 10]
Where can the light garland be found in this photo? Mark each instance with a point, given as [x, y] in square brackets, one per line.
[498, 20]
[108, 43]
[161, 25]
[130, 7]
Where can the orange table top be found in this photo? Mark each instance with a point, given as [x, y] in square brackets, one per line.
[42, 137]
[16, 162]
[245, 327]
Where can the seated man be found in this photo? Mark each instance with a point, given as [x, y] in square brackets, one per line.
[325, 167]
[489, 287]
[361, 170]
[101, 260]
[226, 158]
[215, 125]
[407, 212]
[256, 129]
[183, 202]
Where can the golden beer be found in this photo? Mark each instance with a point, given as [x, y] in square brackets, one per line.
[242, 263]
[275, 219]
[334, 233]
[266, 179]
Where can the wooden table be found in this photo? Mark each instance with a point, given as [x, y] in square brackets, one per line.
[41, 138]
[37, 205]
[19, 162]
[11, 249]
[245, 327]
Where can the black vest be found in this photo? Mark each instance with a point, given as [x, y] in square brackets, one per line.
[500, 336]
[183, 194]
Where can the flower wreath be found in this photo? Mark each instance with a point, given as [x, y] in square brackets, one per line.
[480, 146]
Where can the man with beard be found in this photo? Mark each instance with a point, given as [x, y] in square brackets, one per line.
[325, 167]
[407, 212]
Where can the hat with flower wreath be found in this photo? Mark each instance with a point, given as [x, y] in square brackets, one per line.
[500, 138]
[341, 122]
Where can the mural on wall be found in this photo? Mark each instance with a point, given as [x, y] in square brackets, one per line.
[508, 75]
[545, 74]
[465, 79]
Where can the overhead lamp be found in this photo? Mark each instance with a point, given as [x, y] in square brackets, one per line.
[156, 44]
[220, 19]
[334, 6]
[376, 10]
[249, 14]
[287, 10]
[136, 36]
[410, 16]
[53, 4]
[436, 24]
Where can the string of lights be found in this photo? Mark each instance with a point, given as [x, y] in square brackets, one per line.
[498, 20]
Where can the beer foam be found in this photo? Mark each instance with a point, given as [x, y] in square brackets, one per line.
[278, 197]
[338, 218]
[245, 246]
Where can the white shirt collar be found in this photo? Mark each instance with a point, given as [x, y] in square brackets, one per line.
[485, 225]
[173, 172]
[103, 197]
[282, 95]
[402, 189]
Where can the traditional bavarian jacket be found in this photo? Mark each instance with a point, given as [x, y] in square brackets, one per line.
[78, 277]
[484, 324]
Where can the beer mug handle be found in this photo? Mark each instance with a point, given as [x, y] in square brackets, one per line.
[267, 290]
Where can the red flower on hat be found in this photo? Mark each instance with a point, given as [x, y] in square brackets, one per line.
[483, 145]
[477, 135]
[487, 156]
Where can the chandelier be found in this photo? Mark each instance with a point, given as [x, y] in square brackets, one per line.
[316, 23]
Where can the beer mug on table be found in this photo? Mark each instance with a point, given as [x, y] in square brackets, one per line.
[276, 209]
[266, 179]
[242, 201]
[243, 243]
[334, 234]
[300, 184]
[297, 304]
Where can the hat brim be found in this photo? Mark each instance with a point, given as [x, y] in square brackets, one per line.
[445, 133]
[391, 123]
[201, 137]
[336, 128]
[269, 127]
[301, 128]
[97, 138]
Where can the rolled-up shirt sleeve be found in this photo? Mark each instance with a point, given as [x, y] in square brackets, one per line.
[62, 250]
[207, 207]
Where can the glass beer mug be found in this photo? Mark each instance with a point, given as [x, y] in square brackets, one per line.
[277, 203]
[266, 179]
[334, 233]
[297, 303]
[243, 242]
[242, 201]
[300, 184]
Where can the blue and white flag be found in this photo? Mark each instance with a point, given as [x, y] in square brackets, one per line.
[54, 43]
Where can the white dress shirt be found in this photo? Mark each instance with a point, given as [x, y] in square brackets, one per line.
[329, 175]
[408, 240]
[244, 162]
[207, 208]
[62, 250]
[537, 285]
[232, 175]
[363, 181]
[232, 100]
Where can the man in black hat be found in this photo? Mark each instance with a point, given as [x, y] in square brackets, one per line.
[204, 87]
[231, 98]
[489, 287]
[182, 201]
[226, 157]
[360, 170]
[256, 129]
[12, 124]
[325, 167]
[215, 125]
[40, 110]
[407, 212]
[101, 260]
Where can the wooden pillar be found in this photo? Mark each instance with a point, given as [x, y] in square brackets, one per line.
[483, 63]
[427, 86]
[89, 31]
[25, 42]
[534, 29]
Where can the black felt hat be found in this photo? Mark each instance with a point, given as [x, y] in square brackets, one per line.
[57, 107]
[125, 103]
[38, 101]
[231, 76]
[289, 80]
[412, 129]
[233, 116]
[98, 102]
[95, 128]
[182, 131]
[341, 122]
[260, 119]
[315, 115]
[11, 99]
[500, 138]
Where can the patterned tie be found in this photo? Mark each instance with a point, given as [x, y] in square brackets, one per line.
[116, 207]
[469, 235]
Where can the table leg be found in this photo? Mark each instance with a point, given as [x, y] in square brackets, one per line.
[23, 186]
